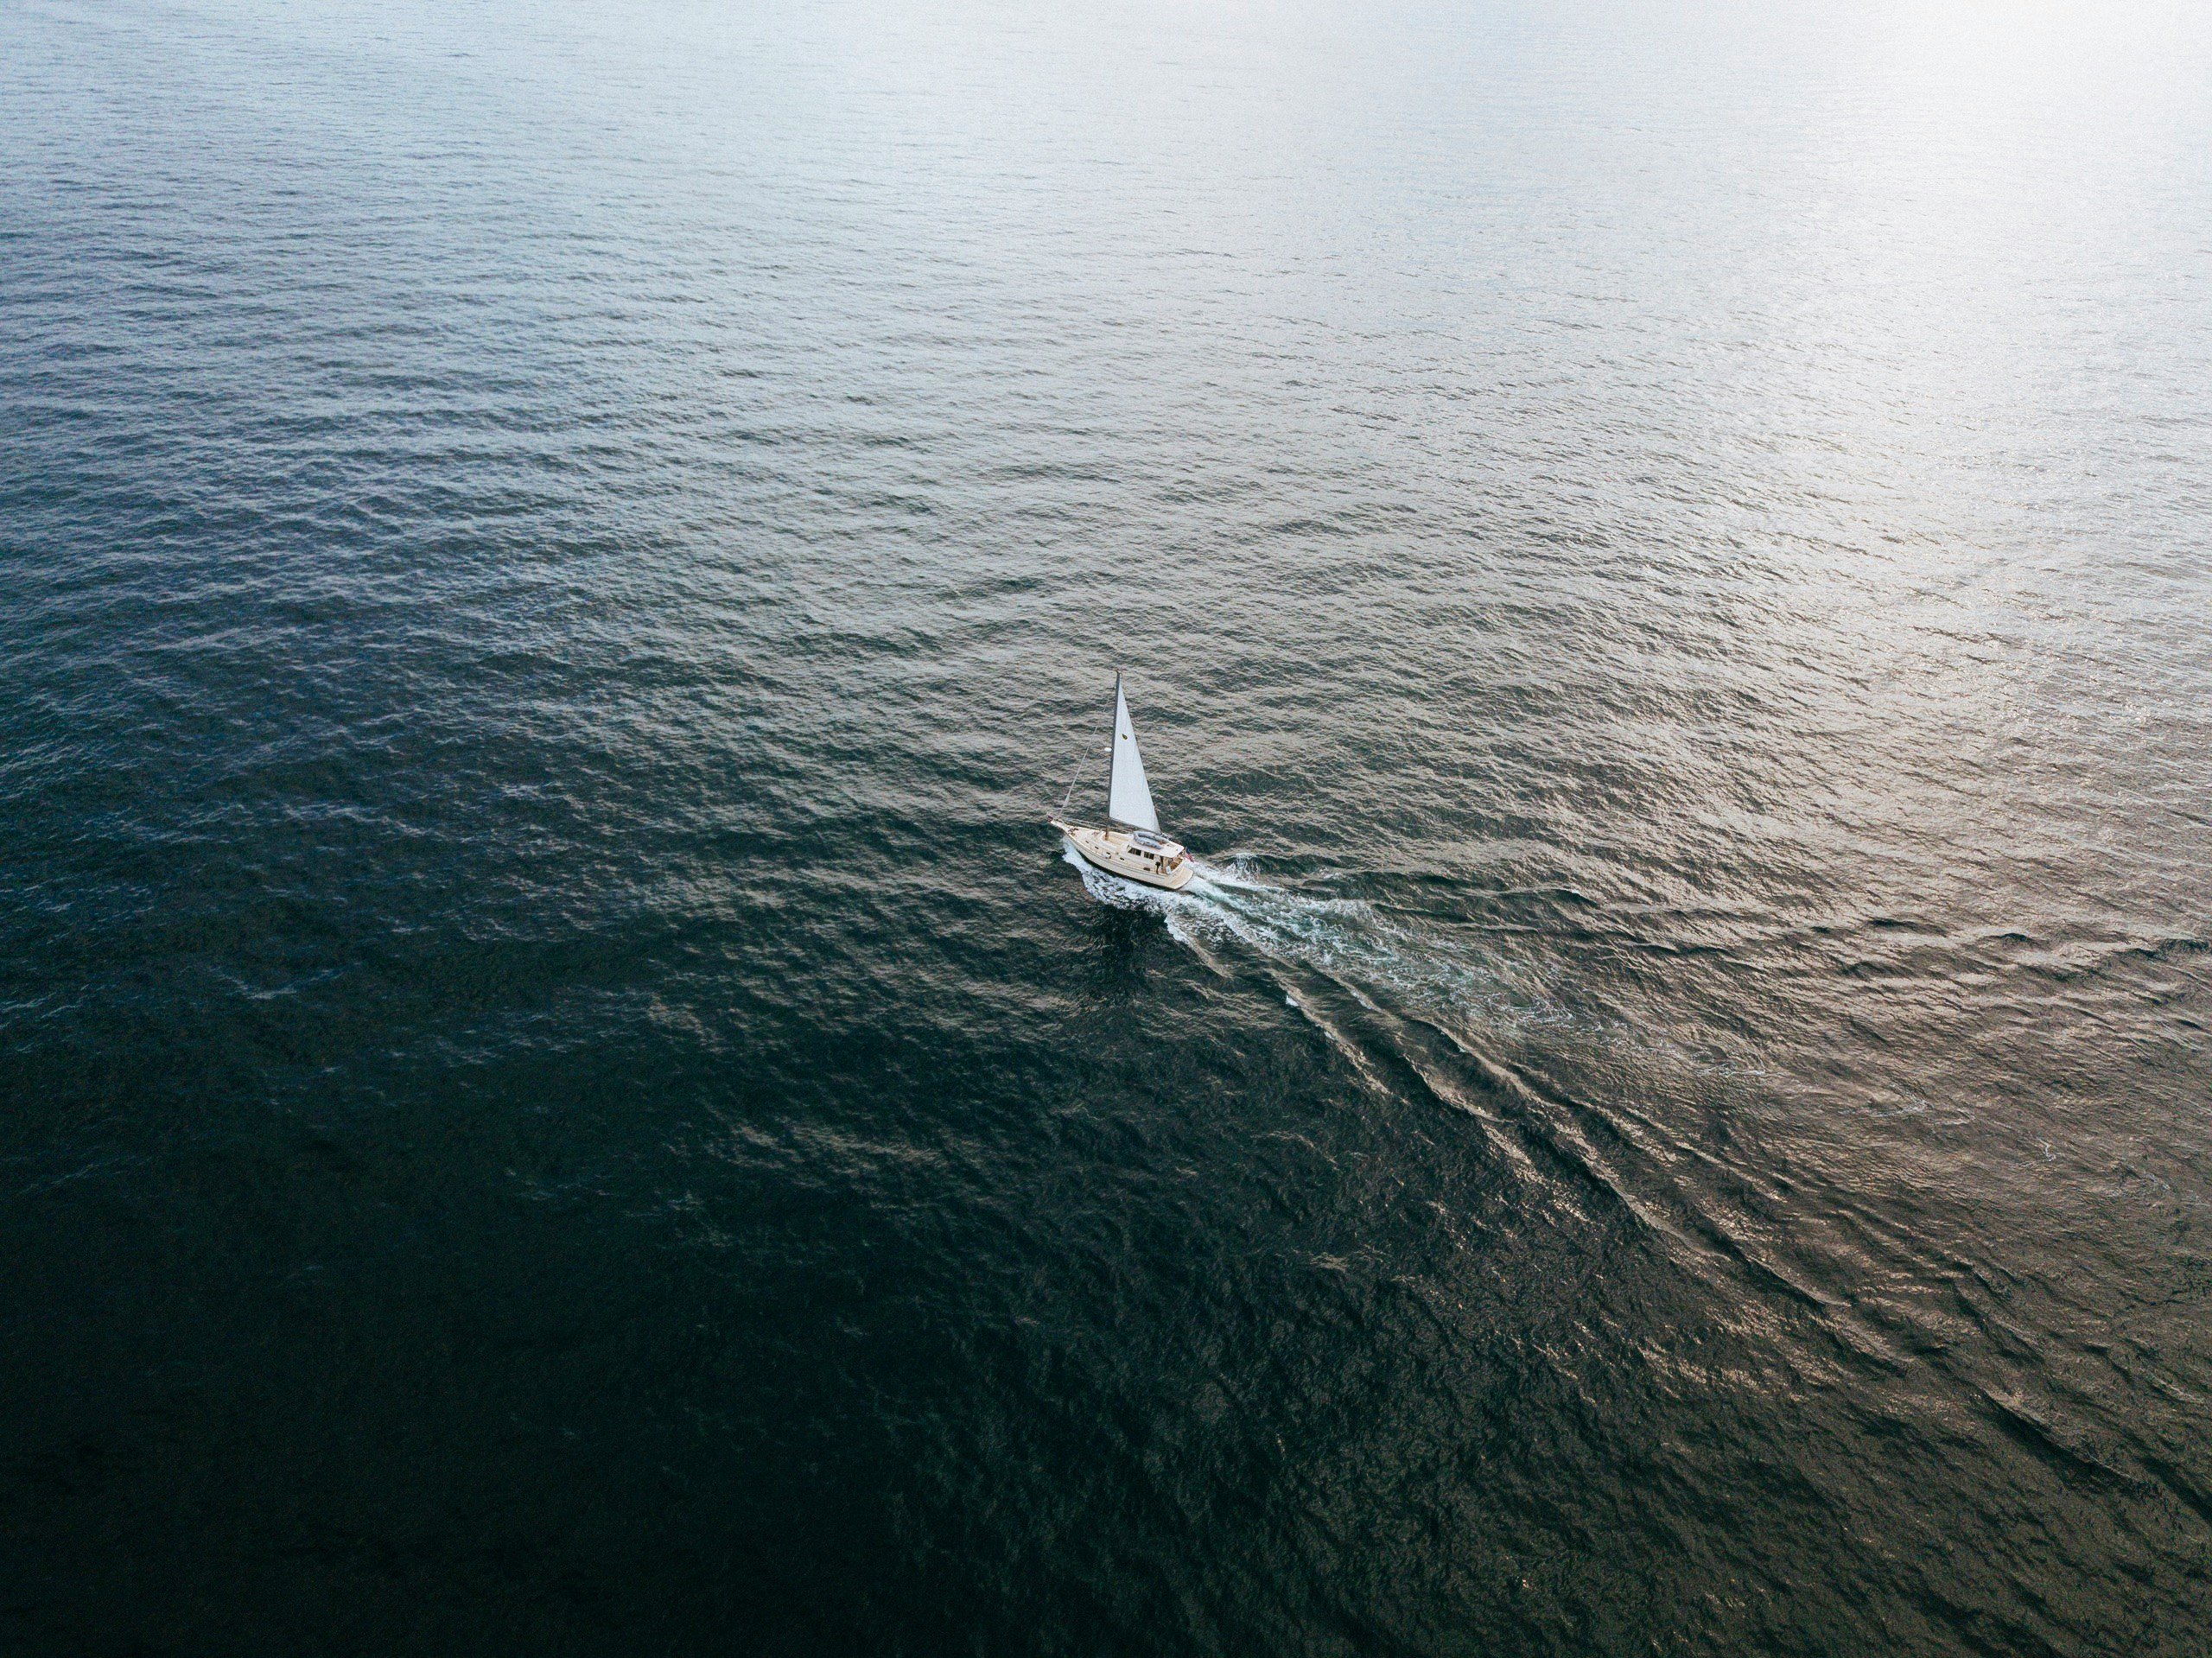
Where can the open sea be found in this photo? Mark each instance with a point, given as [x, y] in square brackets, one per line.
[558, 1096]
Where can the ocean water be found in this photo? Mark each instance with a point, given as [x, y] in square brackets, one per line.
[557, 1095]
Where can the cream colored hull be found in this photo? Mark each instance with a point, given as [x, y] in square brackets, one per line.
[1113, 851]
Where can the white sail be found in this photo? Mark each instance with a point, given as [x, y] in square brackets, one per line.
[1129, 797]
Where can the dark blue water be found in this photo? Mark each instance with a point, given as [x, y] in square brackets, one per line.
[557, 1095]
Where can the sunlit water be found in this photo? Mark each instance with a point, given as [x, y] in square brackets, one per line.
[558, 1093]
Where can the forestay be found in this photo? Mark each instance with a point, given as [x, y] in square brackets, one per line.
[1129, 797]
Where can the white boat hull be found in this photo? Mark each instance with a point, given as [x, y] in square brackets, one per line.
[1119, 852]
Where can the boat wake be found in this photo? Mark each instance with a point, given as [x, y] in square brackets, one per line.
[1344, 943]
[1415, 1014]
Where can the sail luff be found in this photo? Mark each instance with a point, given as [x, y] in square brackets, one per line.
[1128, 796]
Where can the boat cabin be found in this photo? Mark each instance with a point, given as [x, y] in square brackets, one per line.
[1155, 848]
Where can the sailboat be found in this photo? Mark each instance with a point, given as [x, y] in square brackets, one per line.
[1131, 845]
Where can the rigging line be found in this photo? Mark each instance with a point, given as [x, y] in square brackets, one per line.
[1077, 777]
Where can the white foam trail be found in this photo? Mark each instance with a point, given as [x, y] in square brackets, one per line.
[1343, 939]
[1359, 952]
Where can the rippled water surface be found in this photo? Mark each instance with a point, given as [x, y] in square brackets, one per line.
[557, 1095]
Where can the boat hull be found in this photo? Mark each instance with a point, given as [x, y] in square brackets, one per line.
[1116, 853]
